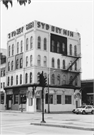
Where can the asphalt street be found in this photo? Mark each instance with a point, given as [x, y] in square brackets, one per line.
[20, 123]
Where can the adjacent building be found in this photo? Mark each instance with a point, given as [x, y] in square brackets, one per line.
[38, 47]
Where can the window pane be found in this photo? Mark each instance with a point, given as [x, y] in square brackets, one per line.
[67, 99]
[58, 99]
[15, 99]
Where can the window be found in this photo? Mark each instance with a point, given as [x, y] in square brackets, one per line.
[26, 61]
[63, 64]
[12, 65]
[3, 84]
[53, 79]
[45, 61]
[30, 101]
[50, 99]
[16, 99]
[39, 42]
[58, 63]
[58, 47]
[58, 99]
[75, 50]
[53, 63]
[17, 64]
[67, 99]
[23, 99]
[39, 60]
[8, 81]
[45, 44]
[76, 81]
[12, 49]
[20, 78]
[17, 47]
[3, 72]
[8, 66]
[2, 98]
[30, 77]
[26, 78]
[21, 63]
[30, 60]
[9, 50]
[53, 46]
[75, 65]
[21, 46]
[26, 44]
[11, 80]
[64, 80]
[16, 79]
[63, 47]
[70, 79]
[31, 42]
[58, 79]
[70, 49]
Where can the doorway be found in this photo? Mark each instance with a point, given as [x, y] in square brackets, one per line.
[9, 102]
[38, 104]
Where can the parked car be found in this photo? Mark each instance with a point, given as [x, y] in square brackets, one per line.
[84, 109]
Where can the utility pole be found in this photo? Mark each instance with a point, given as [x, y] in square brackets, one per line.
[48, 96]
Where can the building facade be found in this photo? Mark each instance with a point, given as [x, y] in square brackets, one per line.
[38, 47]
[3, 54]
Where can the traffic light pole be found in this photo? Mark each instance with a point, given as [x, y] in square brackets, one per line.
[43, 106]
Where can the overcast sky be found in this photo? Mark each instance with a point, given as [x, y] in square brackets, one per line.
[74, 15]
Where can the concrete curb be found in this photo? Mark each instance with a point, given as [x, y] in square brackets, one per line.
[62, 126]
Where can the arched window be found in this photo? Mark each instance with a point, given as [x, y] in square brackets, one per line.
[12, 65]
[70, 49]
[31, 42]
[39, 42]
[30, 77]
[21, 46]
[76, 81]
[75, 50]
[45, 44]
[64, 80]
[26, 78]
[58, 79]
[39, 60]
[17, 47]
[11, 80]
[53, 46]
[53, 63]
[58, 47]
[45, 61]
[8, 81]
[26, 61]
[16, 79]
[20, 78]
[58, 63]
[17, 64]
[8, 66]
[12, 49]
[21, 63]
[53, 79]
[9, 50]
[64, 64]
[30, 60]
[26, 44]
[63, 47]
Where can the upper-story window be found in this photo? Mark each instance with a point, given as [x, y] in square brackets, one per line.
[8, 81]
[3, 72]
[12, 49]
[12, 65]
[39, 60]
[39, 42]
[30, 77]
[53, 79]
[17, 64]
[70, 80]
[21, 62]
[64, 64]
[53, 46]
[45, 61]
[21, 46]
[53, 62]
[16, 79]
[20, 78]
[45, 44]
[9, 50]
[70, 48]
[26, 78]
[75, 50]
[31, 42]
[58, 47]
[58, 79]
[26, 61]
[17, 47]
[63, 47]
[26, 44]
[8, 66]
[11, 80]
[58, 63]
[64, 80]
[31, 60]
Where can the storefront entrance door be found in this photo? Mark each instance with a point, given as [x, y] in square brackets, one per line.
[38, 104]
[9, 101]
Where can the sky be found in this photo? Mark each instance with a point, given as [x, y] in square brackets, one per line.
[72, 15]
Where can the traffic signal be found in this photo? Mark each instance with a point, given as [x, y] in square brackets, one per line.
[45, 81]
[40, 79]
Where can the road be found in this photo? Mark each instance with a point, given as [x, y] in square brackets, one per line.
[19, 124]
